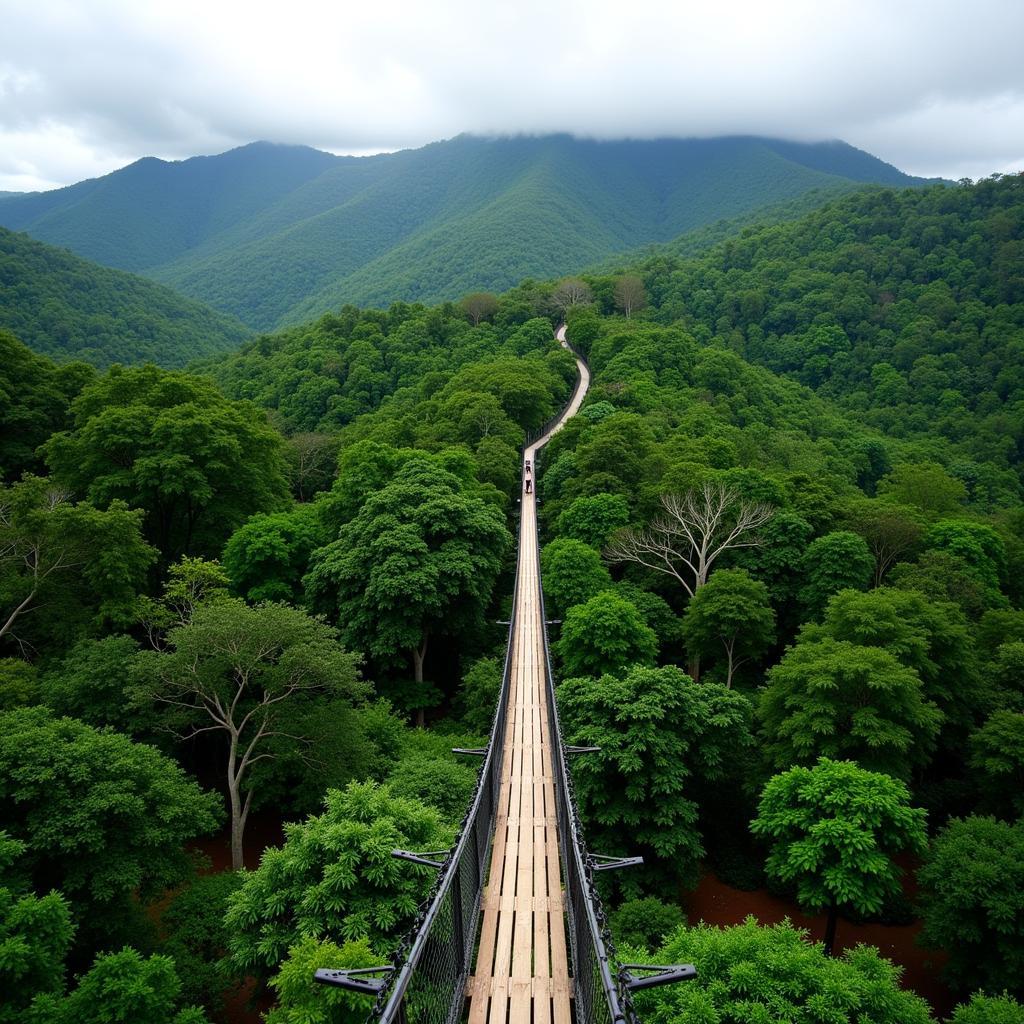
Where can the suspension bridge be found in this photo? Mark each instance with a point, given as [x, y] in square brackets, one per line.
[513, 931]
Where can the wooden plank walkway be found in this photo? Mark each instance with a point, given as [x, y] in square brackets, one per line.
[522, 970]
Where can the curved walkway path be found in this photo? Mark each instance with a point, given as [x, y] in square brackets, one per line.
[522, 972]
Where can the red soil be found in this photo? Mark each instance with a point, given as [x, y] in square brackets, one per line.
[716, 903]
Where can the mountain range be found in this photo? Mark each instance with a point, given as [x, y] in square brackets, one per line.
[275, 235]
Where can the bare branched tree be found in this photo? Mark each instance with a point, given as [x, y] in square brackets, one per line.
[570, 292]
[690, 533]
[479, 306]
[630, 294]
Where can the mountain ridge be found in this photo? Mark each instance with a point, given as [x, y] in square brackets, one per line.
[275, 234]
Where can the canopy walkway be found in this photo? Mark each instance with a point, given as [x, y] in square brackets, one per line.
[514, 931]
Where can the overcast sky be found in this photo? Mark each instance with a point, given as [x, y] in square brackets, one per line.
[86, 86]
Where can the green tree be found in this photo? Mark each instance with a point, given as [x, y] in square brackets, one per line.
[931, 637]
[645, 922]
[438, 782]
[659, 732]
[892, 532]
[834, 562]
[102, 818]
[925, 485]
[478, 694]
[171, 444]
[120, 987]
[836, 699]
[90, 683]
[834, 831]
[971, 891]
[250, 674]
[35, 936]
[479, 306]
[19, 684]
[982, 1009]
[268, 556]
[66, 563]
[301, 1000]
[335, 876]
[34, 397]
[731, 612]
[750, 973]
[419, 560]
[997, 762]
[976, 544]
[572, 573]
[606, 634]
[594, 518]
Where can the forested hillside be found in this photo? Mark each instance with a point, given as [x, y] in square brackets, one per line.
[66, 307]
[266, 590]
[906, 307]
[276, 235]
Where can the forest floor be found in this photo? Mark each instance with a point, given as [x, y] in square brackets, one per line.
[716, 903]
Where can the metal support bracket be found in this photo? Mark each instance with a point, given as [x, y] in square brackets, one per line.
[354, 979]
[475, 751]
[601, 862]
[421, 858]
[582, 750]
[667, 974]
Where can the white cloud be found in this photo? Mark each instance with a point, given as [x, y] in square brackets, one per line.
[86, 85]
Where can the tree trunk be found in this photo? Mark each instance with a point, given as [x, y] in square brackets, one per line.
[729, 669]
[830, 928]
[239, 808]
[419, 655]
[693, 669]
[237, 826]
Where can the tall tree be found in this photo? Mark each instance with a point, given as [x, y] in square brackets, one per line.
[605, 634]
[594, 518]
[103, 819]
[892, 532]
[65, 562]
[691, 533]
[659, 732]
[249, 674]
[833, 698]
[171, 444]
[731, 612]
[570, 292]
[572, 573]
[630, 294]
[479, 306]
[334, 875]
[834, 562]
[971, 894]
[835, 830]
[419, 560]
[931, 637]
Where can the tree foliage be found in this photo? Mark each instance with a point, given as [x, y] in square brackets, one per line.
[835, 830]
[659, 733]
